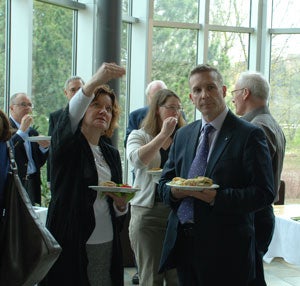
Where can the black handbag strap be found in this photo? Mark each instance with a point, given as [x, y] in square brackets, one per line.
[12, 161]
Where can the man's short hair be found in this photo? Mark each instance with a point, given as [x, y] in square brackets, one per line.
[207, 68]
[158, 82]
[256, 83]
[73, 78]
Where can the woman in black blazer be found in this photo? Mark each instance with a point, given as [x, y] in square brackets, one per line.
[85, 223]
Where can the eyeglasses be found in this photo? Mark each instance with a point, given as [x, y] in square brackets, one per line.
[173, 108]
[232, 92]
[24, 104]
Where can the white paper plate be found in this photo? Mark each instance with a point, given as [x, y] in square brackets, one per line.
[114, 189]
[155, 172]
[192, 188]
[39, 138]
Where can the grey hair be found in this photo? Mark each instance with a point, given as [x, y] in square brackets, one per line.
[256, 83]
[73, 78]
[14, 96]
[158, 82]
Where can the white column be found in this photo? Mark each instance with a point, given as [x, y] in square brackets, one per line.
[21, 46]
[86, 35]
[141, 55]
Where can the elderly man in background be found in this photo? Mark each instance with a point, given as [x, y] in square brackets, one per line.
[30, 156]
[72, 85]
[250, 98]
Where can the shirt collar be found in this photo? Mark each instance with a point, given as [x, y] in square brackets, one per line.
[218, 121]
[17, 123]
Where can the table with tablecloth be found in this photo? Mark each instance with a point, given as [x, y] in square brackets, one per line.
[286, 239]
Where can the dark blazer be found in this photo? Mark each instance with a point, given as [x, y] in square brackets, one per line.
[53, 120]
[240, 164]
[71, 215]
[53, 123]
[38, 156]
[134, 121]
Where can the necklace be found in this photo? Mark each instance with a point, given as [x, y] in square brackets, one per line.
[98, 156]
[98, 161]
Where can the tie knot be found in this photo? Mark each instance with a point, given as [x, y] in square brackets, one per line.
[208, 128]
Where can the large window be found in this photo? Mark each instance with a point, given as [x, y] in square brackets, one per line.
[178, 47]
[227, 37]
[2, 52]
[51, 60]
[285, 88]
[166, 42]
[174, 54]
[230, 13]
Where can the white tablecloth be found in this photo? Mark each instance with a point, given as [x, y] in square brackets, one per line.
[286, 239]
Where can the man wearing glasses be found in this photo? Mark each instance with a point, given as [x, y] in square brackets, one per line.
[250, 99]
[30, 156]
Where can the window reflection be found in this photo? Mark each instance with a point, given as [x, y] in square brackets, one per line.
[229, 53]
[176, 11]
[230, 13]
[52, 59]
[173, 56]
[285, 104]
[285, 14]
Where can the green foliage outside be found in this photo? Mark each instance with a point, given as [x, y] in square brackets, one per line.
[52, 59]
[51, 66]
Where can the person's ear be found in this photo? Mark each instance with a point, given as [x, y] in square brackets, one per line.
[246, 94]
[191, 98]
[224, 88]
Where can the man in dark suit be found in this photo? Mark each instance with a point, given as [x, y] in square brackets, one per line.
[250, 98]
[72, 85]
[30, 156]
[217, 246]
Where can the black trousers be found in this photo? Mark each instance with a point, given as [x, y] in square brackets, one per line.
[33, 187]
[195, 265]
[264, 223]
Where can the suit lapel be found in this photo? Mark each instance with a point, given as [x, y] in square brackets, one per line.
[192, 143]
[223, 139]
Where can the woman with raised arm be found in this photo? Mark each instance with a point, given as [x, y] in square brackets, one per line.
[85, 223]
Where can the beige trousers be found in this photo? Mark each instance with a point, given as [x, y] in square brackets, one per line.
[147, 230]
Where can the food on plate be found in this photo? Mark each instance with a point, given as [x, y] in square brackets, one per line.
[112, 184]
[108, 184]
[155, 169]
[178, 181]
[198, 181]
[123, 186]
